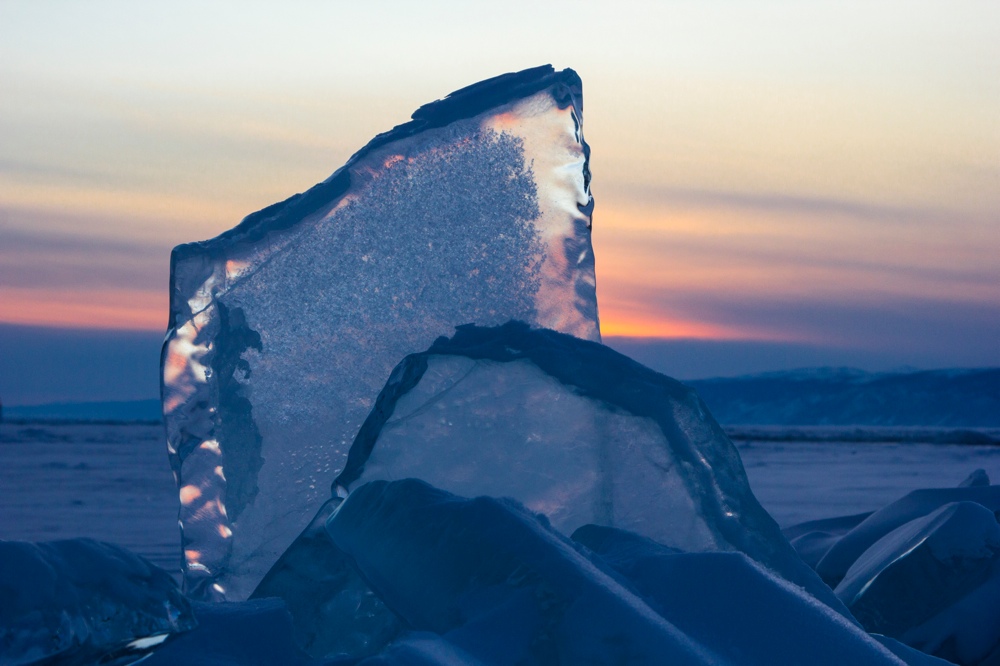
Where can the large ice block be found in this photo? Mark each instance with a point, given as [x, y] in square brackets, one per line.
[283, 329]
[574, 431]
[568, 427]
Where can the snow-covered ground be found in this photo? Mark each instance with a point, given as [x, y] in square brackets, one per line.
[113, 482]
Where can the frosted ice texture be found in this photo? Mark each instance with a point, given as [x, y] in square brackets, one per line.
[284, 328]
[574, 431]
[80, 601]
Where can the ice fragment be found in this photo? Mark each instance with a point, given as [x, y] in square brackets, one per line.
[283, 329]
[574, 431]
[83, 601]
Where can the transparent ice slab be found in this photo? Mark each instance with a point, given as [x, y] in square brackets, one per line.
[575, 431]
[284, 329]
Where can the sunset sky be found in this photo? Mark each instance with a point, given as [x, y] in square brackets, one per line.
[777, 183]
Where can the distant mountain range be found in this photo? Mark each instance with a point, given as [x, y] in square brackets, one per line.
[845, 397]
[812, 397]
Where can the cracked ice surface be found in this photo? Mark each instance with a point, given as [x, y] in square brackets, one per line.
[284, 329]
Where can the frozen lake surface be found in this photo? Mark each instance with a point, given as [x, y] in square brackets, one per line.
[108, 482]
[800, 481]
[113, 482]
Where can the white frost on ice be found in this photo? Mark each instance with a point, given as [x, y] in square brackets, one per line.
[284, 328]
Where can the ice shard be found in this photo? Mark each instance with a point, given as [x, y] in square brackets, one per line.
[575, 431]
[924, 569]
[80, 601]
[846, 550]
[918, 571]
[498, 583]
[283, 330]
[571, 429]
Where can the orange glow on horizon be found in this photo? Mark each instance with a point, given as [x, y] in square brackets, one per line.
[120, 309]
[147, 311]
[133, 311]
[623, 315]
[671, 329]
[652, 327]
[627, 323]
